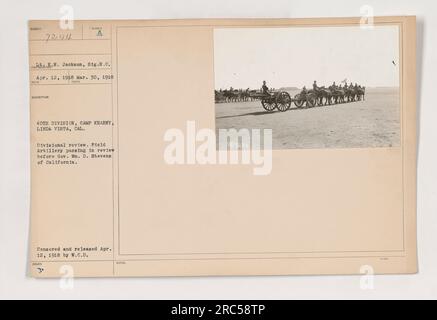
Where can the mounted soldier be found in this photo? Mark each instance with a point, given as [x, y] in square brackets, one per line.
[333, 86]
[264, 88]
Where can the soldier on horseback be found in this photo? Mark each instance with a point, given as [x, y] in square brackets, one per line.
[264, 88]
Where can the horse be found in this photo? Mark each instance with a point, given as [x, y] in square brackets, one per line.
[361, 92]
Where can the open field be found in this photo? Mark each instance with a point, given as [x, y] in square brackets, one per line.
[374, 122]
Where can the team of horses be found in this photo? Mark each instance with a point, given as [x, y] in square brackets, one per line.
[334, 95]
[234, 95]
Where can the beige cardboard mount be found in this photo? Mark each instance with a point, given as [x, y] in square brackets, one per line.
[99, 212]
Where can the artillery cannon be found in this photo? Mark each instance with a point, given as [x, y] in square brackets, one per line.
[270, 101]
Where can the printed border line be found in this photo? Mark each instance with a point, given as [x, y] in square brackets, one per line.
[213, 259]
[69, 54]
[112, 138]
[69, 84]
[402, 126]
[67, 69]
[340, 24]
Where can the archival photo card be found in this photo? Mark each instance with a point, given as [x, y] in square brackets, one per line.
[127, 179]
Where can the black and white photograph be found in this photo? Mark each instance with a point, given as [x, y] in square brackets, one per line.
[315, 87]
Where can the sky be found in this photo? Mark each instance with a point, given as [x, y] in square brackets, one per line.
[296, 56]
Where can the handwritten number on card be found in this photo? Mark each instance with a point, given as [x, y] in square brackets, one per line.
[59, 36]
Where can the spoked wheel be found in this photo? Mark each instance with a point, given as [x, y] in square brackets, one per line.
[298, 101]
[268, 105]
[283, 101]
[311, 100]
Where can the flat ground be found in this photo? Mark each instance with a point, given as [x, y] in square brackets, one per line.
[374, 122]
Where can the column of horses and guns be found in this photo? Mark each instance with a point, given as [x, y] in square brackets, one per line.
[281, 100]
